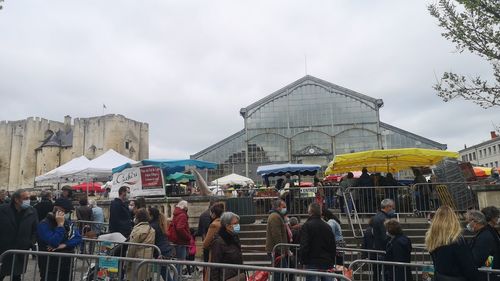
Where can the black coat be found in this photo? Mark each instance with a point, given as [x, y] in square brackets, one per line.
[43, 208]
[398, 250]
[16, 235]
[455, 260]
[380, 239]
[204, 223]
[486, 243]
[119, 218]
[317, 243]
[226, 248]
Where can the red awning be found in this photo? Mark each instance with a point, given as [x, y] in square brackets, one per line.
[92, 187]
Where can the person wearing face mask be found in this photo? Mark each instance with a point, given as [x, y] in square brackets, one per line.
[119, 213]
[398, 250]
[226, 248]
[380, 237]
[19, 221]
[56, 233]
[178, 231]
[484, 244]
[276, 233]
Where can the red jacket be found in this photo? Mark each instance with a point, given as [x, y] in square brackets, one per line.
[181, 224]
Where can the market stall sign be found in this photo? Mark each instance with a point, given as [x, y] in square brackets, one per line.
[142, 181]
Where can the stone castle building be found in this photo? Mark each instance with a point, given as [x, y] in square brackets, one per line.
[32, 147]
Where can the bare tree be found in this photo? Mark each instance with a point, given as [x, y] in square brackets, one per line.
[473, 25]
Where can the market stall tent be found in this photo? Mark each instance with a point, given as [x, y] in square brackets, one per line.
[57, 174]
[88, 186]
[233, 179]
[102, 166]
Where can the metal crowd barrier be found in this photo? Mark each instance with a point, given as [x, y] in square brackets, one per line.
[57, 266]
[119, 249]
[97, 228]
[373, 270]
[247, 272]
[344, 255]
[491, 274]
[70, 266]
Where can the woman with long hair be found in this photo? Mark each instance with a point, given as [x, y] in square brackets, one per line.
[450, 253]
[159, 223]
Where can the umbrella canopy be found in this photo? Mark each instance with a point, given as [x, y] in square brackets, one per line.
[169, 166]
[389, 160]
[91, 186]
[233, 179]
[180, 177]
[482, 172]
[293, 169]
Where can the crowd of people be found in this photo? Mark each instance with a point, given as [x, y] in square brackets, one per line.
[48, 223]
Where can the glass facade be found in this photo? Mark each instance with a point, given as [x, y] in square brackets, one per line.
[309, 121]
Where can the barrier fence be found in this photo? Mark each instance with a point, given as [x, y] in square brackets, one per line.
[57, 266]
[70, 266]
[418, 199]
[92, 229]
[287, 255]
[373, 270]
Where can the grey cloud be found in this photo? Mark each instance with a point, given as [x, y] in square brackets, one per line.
[187, 67]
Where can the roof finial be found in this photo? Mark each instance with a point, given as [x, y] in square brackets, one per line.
[305, 63]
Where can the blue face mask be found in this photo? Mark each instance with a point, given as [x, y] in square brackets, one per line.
[26, 204]
[236, 228]
[391, 213]
[283, 211]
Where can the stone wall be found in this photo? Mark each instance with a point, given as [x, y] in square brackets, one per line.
[22, 158]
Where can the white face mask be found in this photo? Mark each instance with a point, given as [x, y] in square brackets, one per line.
[25, 204]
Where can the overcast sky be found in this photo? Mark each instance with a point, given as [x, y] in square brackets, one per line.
[187, 67]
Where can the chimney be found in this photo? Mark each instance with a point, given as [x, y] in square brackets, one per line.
[493, 135]
[67, 122]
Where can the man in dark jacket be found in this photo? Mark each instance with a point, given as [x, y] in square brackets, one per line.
[367, 203]
[276, 233]
[119, 213]
[484, 244]
[45, 206]
[380, 237]
[317, 243]
[203, 224]
[398, 250]
[18, 222]
[56, 233]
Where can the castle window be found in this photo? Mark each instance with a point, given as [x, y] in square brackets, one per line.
[127, 145]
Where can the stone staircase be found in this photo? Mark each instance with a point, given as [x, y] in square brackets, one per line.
[253, 240]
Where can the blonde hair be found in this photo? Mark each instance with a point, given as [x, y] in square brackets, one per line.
[444, 230]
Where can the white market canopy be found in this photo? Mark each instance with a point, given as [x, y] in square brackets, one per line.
[72, 166]
[82, 169]
[102, 166]
[233, 179]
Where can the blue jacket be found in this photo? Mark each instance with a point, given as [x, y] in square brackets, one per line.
[51, 235]
[119, 218]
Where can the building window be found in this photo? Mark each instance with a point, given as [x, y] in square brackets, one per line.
[464, 158]
[484, 152]
[494, 150]
[480, 154]
[496, 163]
[473, 155]
[491, 164]
[127, 145]
[489, 151]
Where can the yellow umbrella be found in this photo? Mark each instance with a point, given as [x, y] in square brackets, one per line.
[389, 160]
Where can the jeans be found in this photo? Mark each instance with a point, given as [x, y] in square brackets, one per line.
[180, 254]
[321, 268]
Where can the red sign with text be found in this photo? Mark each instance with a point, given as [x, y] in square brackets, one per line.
[151, 177]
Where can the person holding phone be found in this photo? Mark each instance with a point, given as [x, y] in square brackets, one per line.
[56, 233]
